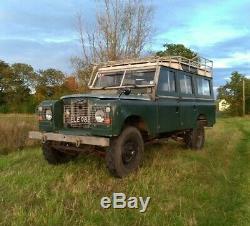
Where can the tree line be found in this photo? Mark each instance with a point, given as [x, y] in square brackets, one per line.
[22, 88]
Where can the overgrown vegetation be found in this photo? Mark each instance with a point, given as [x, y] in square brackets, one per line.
[14, 132]
[232, 93]
[210, 187]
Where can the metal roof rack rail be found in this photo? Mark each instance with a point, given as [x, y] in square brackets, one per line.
[199, 65]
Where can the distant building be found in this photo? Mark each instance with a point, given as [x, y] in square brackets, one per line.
[223, 105]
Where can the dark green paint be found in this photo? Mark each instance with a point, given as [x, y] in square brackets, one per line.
[167, 112]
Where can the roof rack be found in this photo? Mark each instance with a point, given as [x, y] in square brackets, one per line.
[199, 65]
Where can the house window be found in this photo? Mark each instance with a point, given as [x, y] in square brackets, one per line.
[203, 87]
[186, 84]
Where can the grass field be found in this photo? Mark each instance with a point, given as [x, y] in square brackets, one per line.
[211, 187]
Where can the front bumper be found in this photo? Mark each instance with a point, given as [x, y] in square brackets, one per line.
[77, 140]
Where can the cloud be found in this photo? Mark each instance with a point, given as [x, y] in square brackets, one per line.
[42, 33]
[40, 55]
[203, 23]
[221, 74]
[234, 59]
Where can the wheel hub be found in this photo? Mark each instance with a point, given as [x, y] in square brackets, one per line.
[130, 150]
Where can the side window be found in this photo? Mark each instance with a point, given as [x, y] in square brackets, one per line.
[166, 82]
[186, 84]
[139, 78]
[203, 87]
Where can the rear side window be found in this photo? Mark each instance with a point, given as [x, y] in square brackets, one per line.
[186, 84]
[167, 82]
[203, 87]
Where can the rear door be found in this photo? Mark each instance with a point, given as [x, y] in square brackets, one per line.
[167, 101]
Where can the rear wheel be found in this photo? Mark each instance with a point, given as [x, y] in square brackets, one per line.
[195, 138]
[125, 153]
[54, 156]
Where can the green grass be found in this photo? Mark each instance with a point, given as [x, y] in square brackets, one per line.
[211, 187]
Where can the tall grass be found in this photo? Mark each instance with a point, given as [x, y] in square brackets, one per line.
[190, 188]
[14, 130]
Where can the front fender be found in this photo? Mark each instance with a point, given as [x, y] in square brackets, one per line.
[57, 110]
[146, 110]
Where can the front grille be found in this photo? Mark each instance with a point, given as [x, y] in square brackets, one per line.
[77, 114]
[80, 114]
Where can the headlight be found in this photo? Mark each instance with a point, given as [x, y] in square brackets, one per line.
[99, 116]
[48, 114]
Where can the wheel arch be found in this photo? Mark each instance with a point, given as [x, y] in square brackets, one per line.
[138, 122]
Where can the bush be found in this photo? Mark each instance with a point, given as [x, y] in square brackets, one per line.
[14, 130]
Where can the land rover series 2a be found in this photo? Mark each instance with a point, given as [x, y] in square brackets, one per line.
[131, 102]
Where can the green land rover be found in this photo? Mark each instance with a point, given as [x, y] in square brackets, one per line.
[130, 103]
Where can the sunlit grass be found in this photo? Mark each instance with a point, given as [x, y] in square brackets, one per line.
[209, 187]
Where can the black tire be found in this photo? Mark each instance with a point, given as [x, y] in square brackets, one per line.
[125, 152]
[54, 156]
[195, 138]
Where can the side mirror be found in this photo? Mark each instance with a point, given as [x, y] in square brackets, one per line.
[125, 91]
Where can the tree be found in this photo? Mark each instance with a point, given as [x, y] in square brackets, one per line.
[5, 72]
[50, 84]
[177, 50]
[233, 94]
[121, 30]
[82, 72]
[22, 88]
[26, 74]
[14, 94]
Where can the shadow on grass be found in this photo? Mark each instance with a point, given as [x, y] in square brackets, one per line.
[166, 149]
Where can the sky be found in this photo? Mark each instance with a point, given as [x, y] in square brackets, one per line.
[42, 33]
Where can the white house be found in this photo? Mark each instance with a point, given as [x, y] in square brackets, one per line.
[223, 105]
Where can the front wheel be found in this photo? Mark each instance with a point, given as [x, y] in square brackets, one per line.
[195, 138]
[125, 153]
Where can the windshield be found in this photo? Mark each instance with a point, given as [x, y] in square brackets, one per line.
[132, 78]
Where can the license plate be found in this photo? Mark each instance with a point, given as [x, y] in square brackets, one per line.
[79, 119]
